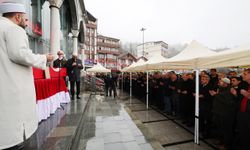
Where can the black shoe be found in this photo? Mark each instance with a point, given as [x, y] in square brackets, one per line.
[78, 97]
[72, 98]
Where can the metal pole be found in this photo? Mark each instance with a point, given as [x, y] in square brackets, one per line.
[130, 84]
[130, 88]
[196, 133]
[147, 89]
[143, 52]
[122, 83]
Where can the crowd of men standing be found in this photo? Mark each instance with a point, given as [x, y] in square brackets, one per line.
[224, 102]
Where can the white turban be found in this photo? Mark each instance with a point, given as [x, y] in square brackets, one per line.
[12, 7]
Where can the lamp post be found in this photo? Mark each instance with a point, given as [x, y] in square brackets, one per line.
[143, 52]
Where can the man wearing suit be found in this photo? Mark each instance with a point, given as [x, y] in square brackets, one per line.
[74, 67]
[60, 62]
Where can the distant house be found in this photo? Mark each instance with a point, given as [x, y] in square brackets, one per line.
[125, 60]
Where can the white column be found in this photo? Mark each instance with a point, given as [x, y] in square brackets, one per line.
[55, 25]
[75, 41]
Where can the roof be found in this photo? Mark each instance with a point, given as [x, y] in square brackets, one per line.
[126, 54]
[106, 37]
[90, 16]
[153, 42]
[142, 57]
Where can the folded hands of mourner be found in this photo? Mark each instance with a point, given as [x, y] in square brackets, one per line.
[245, 93]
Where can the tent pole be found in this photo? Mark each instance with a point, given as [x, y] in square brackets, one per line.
[130, 86]
[147, 90]
[122, 84]
[196, 138]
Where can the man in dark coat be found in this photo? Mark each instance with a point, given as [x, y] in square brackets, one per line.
[224, 113]
[107, 79]
[112, 85]
[205, 105]
[243, 121]
[74, 67]
[186, 99]
[60, 62]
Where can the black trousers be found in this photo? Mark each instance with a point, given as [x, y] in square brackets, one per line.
[72, 88]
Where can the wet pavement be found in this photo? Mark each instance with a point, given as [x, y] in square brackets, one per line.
[162, 129]
[105, 123]
[58, 131]
[107, 126]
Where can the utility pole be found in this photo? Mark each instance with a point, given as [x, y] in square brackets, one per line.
[143, 52]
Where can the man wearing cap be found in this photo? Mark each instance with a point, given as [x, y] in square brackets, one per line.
[18, 118]
[60, 62]
[224, 113]
[74, 67]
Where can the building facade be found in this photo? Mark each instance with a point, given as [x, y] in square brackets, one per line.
[150, 49]
[55, 25]
[107, 51]
[98, 48]
[90, 40]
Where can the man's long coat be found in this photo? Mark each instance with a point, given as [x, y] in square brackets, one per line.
[18, 116]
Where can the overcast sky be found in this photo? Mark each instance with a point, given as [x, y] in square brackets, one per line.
[214, 23]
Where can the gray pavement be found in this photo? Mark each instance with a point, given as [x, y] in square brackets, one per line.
[161, 129]
[107, 126]
[58, 131]
[105, 123]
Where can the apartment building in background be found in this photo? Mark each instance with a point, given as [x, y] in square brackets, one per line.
[107, 51]
[99, 48]
[152, 48]
[90, 40]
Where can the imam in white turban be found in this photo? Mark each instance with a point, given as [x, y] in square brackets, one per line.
[12, 7]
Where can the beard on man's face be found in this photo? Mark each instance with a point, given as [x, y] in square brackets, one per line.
[22, 24]
[24, 21]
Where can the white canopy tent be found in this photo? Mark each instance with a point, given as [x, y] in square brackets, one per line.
[133, 65]
[98, 68]
[128, 69]
[239, 56]
[146, 66]
[186, 59]
[150, 64]
[196, 56]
